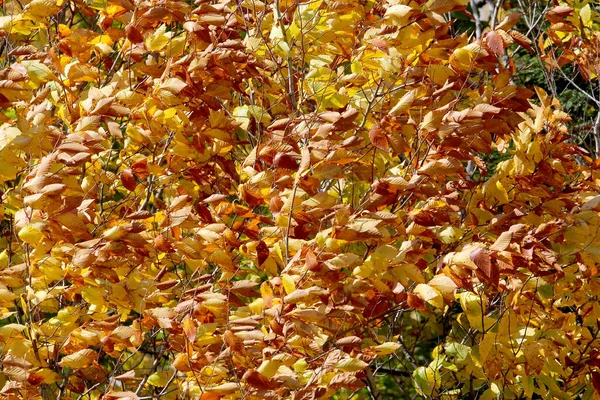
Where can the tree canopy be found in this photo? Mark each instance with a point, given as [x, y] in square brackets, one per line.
[299, 199]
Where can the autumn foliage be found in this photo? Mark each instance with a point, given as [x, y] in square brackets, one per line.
[240, 199]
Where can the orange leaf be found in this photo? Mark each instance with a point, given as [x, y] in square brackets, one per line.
[255, 379]
[189, 328]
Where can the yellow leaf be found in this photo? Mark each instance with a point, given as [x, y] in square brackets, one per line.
[42, 8]
[189, 328]
[440, 73]
[424, 380]
[158, 40]
[475, 311]
[158, 379]
[30, 234]
[269, 368]
[351, 365]
[586, 15]
[173, 85]
[404, 103]
[222, 259]
[300, 366]
[79, 360]
[398, 14]
[257, 306]
[406, 273]
[288, 283]
[429, 295]
[7, 296]
[451, 234]
[444, 285]
[386, 348]
[224, 389]
[461, 259]
[8, 171]
[94, 296]
[534, 353]
[502, 242]
[462, 59]
[495, 191]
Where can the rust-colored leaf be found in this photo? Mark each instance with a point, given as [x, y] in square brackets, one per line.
[262, 252]
[378, 138]
[128, 179]
[495, 43]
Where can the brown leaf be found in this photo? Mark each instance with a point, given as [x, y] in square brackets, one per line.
[139, 215]
[521, 40]
[233, 342]
[214, 198]
[244, 288]
[127, 376]
[167, 284]
[35, 379]
[311, 393]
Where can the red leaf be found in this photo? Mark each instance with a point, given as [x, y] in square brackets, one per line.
[128, 180]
